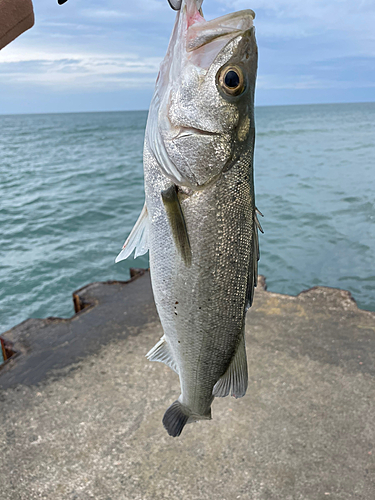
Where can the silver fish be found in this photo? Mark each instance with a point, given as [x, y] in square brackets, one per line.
[199, 220]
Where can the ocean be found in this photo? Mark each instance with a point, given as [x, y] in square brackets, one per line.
[71, 188]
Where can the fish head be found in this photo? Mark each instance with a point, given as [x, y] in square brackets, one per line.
[202, 115]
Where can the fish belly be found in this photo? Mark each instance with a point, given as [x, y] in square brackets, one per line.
[202, 306]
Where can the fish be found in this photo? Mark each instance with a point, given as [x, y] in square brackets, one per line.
[199, 221]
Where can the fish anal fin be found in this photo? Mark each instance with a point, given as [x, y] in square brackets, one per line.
[137, 239]
[177, 222]
[161, 352]
[235, 379]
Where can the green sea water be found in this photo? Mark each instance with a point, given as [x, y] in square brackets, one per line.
[71, 188]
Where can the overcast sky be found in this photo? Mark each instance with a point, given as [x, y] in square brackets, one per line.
[92, 55]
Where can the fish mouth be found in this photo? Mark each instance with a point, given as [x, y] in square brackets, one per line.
[201, 32]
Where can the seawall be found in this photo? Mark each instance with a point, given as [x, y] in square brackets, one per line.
[81, 407]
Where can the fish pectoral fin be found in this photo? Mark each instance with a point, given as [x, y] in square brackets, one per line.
[253, 276]
[137, 239]
[177, 222]
[235, 379]
[161, 352]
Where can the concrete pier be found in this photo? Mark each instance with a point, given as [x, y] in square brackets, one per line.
[81, 407]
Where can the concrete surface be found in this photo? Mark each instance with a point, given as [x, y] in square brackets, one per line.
[81, 407]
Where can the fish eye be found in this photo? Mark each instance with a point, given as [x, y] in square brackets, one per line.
[231, 80]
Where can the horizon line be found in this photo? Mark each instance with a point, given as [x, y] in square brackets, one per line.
[146, 110]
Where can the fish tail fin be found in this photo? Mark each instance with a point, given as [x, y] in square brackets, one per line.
[178, 415]
[175, 418]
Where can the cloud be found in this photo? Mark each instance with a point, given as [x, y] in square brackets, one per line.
[105, 14]
[74, 69]
[101, 47]
[307, 82]
[341, 19]
[117, 10]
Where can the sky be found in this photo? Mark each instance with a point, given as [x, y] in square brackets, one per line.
[103, 55]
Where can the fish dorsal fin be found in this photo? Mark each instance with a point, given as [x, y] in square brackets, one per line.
[234, 381]
[137, 239]
[177, 222]
[161, 352]
[253, 276]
